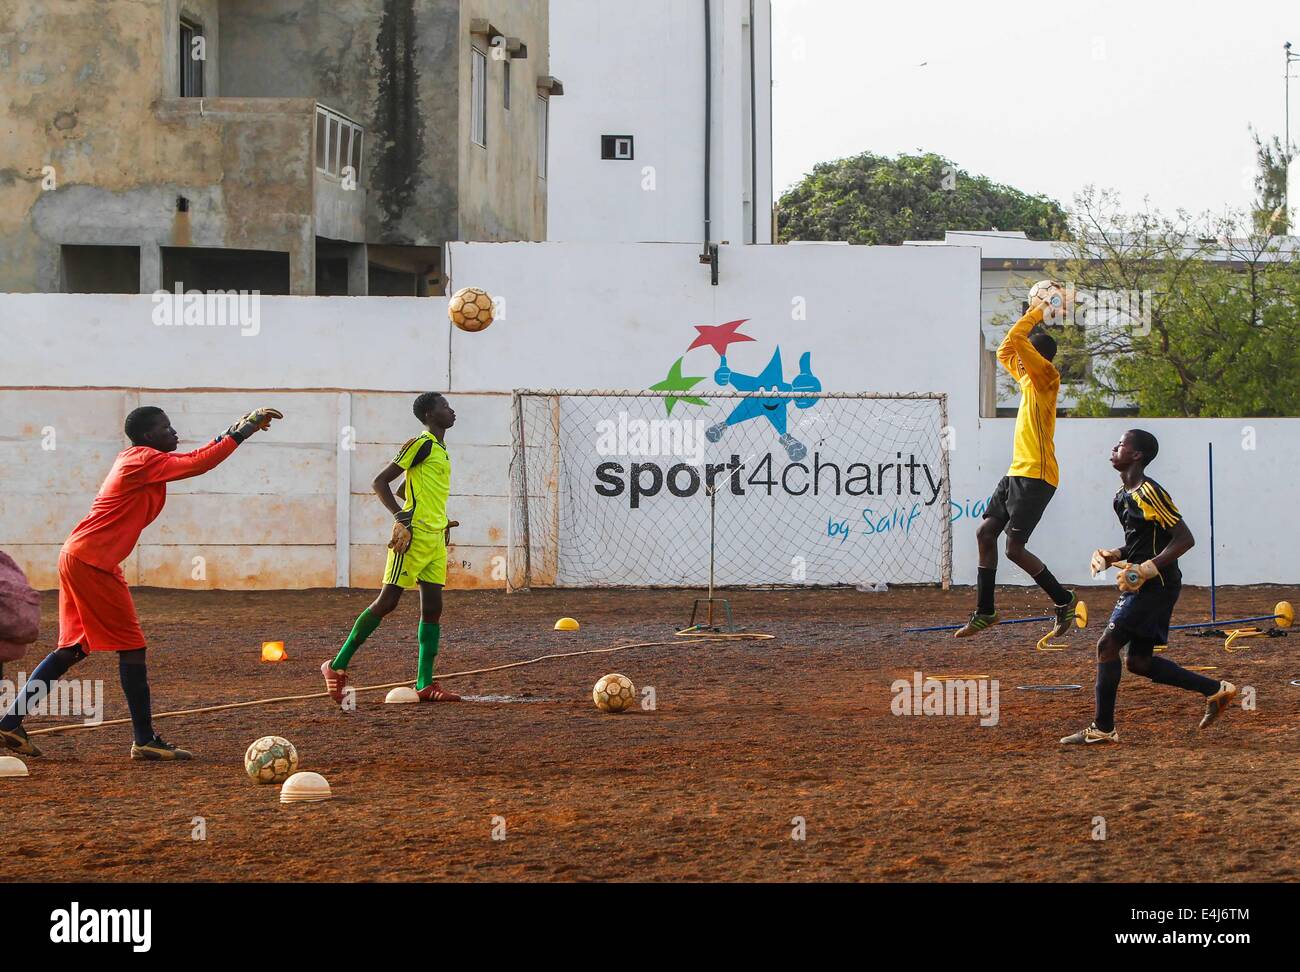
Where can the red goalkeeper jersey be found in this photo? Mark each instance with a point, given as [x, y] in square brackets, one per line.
[132, 497]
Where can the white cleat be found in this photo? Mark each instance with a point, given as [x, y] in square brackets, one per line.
[1091, 735]
[1216, 704]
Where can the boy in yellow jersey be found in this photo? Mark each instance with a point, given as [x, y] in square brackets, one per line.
[1022, 496]
[417, 554]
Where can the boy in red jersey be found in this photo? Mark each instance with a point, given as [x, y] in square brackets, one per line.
[95, 608]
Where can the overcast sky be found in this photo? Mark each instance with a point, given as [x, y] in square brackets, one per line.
[1149, 97]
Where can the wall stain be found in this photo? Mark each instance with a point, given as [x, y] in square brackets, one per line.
[397, 114]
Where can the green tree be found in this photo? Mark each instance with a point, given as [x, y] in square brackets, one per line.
[1188, 319]
[874, 200]
[1269, 215]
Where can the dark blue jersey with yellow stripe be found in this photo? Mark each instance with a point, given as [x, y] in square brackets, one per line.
[1148, 515]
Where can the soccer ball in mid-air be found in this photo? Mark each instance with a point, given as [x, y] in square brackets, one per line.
[1055, 295]
[272, 759]
[614, 693]
[470, 309]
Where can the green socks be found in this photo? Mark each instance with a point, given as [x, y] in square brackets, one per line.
[429, 635]
[363, 629]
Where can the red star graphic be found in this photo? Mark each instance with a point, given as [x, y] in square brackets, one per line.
[719, 337]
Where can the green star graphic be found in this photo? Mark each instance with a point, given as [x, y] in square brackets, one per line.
[675, 382]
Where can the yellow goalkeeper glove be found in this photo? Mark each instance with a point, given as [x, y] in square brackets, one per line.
[1133, 576]
[257, 420]
[400, 542]
[1101, 559]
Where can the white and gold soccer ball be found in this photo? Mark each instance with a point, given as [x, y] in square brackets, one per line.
[614, 693]
[1058, 298]
[272, 759]
[470, 309]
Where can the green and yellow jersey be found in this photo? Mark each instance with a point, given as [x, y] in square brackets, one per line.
[428, 481]
[1034, 455]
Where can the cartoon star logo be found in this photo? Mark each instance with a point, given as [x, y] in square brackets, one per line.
[676, 382]
[719, 337]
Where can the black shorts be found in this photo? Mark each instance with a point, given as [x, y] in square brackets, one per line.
[1020, 502]
[1142, 617]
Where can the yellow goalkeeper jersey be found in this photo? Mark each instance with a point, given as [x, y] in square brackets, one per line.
[428, 481]
[1034, 455]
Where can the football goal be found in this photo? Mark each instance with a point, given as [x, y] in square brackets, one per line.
[658, 489]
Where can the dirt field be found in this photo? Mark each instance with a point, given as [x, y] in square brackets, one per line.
[746, 737]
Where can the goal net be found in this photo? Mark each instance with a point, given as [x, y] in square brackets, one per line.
[652, 489]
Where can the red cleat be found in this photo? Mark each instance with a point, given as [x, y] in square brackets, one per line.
[436, 693]
[335, 682]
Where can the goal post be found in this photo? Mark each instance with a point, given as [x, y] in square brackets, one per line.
[663, 489]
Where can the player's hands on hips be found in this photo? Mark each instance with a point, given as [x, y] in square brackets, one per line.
[446, 532]
[400, 542]
[1133, 576]
[1101, 559]
[258, 420]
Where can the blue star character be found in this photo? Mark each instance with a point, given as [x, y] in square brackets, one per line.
[773, 409]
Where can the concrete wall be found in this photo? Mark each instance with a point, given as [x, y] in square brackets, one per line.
[576, 316]
[89, 90]
[501, 197]
[638, 69]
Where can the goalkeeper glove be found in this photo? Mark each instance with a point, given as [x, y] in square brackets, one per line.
[257, 420]
[1101, 559]
[1133, 576]
[400, 542]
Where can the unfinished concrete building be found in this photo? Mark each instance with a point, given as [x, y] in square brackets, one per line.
[300, 147]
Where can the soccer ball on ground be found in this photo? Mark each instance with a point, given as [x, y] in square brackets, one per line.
[272, 759]
[614, 693]
[470, 309]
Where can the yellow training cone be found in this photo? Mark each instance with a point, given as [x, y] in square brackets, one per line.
[273, 651]
[566, 624]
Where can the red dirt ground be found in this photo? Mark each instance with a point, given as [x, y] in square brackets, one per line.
[746, 737]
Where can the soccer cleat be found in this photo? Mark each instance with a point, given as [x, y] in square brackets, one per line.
[1065, 615]
[17, 741]
[1216, 703]
[157, 750]
[335, 682]
[977, 623]
[1091, 735]
[436, 693]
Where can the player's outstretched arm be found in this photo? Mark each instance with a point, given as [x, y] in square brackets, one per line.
[170, 467]
[1011, 349]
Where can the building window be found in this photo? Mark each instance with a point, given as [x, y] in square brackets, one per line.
[507, 86]
[617, 148]
[192, 55]
[338, 144]
[478, 98]
[543, 134]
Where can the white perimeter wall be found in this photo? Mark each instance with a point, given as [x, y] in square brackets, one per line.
[293, 508]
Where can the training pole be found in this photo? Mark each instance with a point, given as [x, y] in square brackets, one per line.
[713, 521]
[1213, 610]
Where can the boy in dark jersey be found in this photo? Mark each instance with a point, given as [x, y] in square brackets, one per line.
[1155, 536]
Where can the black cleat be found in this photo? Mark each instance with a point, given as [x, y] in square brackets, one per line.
[155, 749]
[17, 741]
